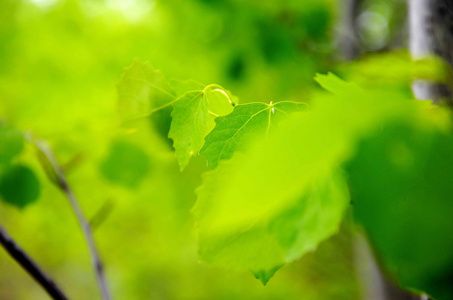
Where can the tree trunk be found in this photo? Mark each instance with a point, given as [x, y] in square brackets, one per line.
[347, 38]
[375, 285]
[431, 32]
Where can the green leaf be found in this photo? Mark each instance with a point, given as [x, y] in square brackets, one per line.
[400, 179]
[265, 276]
[180, 87]
[189, 126]
[337, 86]
[143, 89]
[144, 92]
[11, 143]
[193, 118]
[254, 224]
[287, 193]
[402, 190]
[247, 122]
[161, 118]
[19, 186]
[278, 201]
[126, 164]
[373, 70]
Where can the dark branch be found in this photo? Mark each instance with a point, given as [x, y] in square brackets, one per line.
[30, 266]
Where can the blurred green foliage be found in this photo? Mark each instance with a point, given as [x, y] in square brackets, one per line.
[126, 164]
[19, 186]
[60, 62]
[286, 194]
[12, 142]
[412, 231]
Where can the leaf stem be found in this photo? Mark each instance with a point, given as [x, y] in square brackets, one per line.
[213, 114]
[84, 224]
[215, 87]
[22, 258]
[220, 89]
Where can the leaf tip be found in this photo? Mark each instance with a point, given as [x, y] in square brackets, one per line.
[265, 275]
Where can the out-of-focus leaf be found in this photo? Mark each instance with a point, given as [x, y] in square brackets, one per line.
[11, 143]
[143, 89]
[397, 70]
[264, 276]
[48, 162]
[19, 186]
[246, 122]
[286, 194]
[259, 210]
[126, 164]
[401, 185]
[256, 220]
[433, 69]
[180, 87]
[193, 118]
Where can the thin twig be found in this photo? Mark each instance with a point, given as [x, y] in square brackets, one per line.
[30, 266]
[95, 258]
[51, 165]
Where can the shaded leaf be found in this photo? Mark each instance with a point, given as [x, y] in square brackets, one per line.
[126, 164]
[264, 276]
[19, 186]
[401, 185]
[142, 89]
[11, 143]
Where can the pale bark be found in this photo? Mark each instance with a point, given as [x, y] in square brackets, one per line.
[431, 33]
[347, 38]
[375, 285]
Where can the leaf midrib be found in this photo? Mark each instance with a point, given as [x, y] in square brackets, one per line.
[242, 127]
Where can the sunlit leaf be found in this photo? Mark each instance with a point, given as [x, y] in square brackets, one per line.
[263, 209]
[261, 219]
[193, 118]
[243, 125]
[286, 194]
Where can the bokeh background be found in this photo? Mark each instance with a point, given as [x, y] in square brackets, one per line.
[60, 61]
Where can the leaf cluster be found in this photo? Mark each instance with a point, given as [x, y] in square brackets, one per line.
[276, 192]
